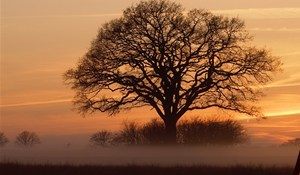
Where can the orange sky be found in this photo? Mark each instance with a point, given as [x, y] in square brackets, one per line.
[42, 39]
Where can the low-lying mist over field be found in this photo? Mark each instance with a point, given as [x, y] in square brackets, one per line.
[128, 149]
[151, 155]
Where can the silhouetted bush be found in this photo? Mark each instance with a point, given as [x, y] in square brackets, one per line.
[194, 131]
[210, 132]
[3, 139]
[101, 138]
[130, 134]
[27, 139]
[153, 132]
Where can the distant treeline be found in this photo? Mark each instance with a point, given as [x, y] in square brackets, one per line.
[189, 132]
[195, 131]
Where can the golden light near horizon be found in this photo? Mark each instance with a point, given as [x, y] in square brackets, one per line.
[41, 40]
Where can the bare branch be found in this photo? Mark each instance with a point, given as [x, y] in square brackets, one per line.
[155, 55]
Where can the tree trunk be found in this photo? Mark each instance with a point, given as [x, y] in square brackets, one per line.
[171, 132]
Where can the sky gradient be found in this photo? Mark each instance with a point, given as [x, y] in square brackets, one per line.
[40, 40]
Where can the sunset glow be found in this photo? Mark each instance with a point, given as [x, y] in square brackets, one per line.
[40, 40]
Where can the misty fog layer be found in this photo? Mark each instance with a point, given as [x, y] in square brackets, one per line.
[163, 156]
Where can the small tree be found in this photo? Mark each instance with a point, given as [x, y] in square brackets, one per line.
[3, 139]
[27, 139]
[101, 138]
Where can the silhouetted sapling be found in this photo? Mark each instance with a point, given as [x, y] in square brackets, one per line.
[27, 139]
[3, 139]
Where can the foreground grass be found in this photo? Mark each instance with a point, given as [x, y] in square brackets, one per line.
[47, 169]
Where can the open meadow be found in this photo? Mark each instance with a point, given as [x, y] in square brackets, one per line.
[48, 169]
[90, 160]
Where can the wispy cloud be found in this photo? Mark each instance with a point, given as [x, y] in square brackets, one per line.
[275, 29]
[256, 13]
[263, 13]
[291, 80]
[275, 137]
[280, 113]
[290, 53]
[36, 103]
[67, 16]
[283, 84]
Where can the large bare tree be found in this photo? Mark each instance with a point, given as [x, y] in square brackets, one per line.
[158, 55]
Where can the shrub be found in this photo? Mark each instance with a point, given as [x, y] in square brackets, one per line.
[129, 134]
[195, 131]
[101, 138]
[153, 132]
[210, 132]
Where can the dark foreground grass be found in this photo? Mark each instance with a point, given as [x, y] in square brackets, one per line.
[29, 169]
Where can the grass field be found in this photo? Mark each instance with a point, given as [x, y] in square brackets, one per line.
[47, 169]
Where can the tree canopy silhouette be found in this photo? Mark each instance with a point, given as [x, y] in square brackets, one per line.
[158, 55]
